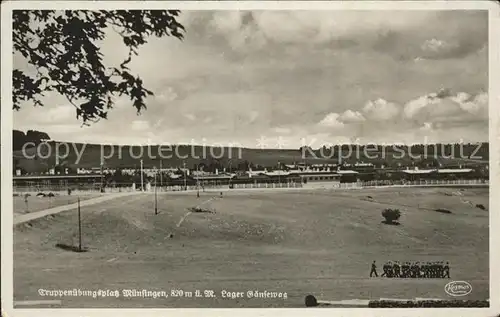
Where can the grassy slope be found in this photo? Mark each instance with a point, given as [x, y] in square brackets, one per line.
[317, 242]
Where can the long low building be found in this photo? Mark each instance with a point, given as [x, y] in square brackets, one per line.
[57, 182]
[444, 173]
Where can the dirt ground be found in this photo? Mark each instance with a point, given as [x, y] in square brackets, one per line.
[318, 242]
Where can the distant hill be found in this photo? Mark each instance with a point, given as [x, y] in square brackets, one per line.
[38, 159]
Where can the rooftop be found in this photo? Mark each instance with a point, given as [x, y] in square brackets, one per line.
[440, 171]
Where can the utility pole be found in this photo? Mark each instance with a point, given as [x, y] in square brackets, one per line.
[279, 172]
[230, 172]
[185, 175]
[161, 174]
[198, 180]
[79, 228]
[142, 177]
[102, 176]
[156, 196]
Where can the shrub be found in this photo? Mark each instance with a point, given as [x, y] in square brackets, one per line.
[311, 301]
[391, 215]
[50, 195]
[40, 195]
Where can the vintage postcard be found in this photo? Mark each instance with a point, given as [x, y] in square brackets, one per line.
[299, 158]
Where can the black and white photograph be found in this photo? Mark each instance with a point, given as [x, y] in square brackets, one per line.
[233, 155]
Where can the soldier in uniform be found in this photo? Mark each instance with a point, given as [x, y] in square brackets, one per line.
[396, 269]
[386, 270]
[390, 272]
[439, 269]
[373, 270]
[430, 269]
[446, 270]
[405, 269]
[426, 267]
[414, 270]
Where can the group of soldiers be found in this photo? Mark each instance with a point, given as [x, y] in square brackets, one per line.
[413, 270]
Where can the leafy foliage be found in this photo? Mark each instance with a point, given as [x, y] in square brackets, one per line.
[391, 215]
[19, 138]
[62, 47]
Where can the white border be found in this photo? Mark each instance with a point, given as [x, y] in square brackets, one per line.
[6, 154]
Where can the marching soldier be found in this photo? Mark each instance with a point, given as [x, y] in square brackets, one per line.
[435, 269]
[405, 269]
[386, 270]
[425, 269]
[390, 271]
[396, 269]
[439, 270]
[414, 270]
[373, 270]
[446, 270]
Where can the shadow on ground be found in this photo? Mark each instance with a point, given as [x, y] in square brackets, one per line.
[71, 248]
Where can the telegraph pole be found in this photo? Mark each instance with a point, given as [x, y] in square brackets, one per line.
[279, 172]
[198, 180]
[142, 177]
[156, 196]
[185, 175]
[102, 175]
[230, 171]
[161, 175]
[79, 228]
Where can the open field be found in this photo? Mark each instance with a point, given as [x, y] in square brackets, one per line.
[303, 242]
[41, 203]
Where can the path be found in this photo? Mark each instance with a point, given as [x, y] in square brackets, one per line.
[189, 212]
[42, 213]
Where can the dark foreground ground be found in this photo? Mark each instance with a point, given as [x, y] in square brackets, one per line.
[298, 242]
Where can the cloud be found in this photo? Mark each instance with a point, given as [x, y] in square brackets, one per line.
[281, 130]
[240, 74]
[447, 109]
[140, 125]
[167, 94]
[253, 116]
[427, 126]
[331, 120]
[434, 45]
[380, 110]
[294, 27]
[475, 105]
[190, 116]
[350, 116]
[431, 115]
[443, 35]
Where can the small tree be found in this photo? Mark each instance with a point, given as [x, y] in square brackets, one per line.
[391, 215]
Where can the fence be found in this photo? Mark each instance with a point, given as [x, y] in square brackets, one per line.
[423, 183]
[332, 185]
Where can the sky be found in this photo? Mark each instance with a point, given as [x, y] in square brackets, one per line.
[283, 79]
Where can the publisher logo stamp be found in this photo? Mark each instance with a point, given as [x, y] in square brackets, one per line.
[458, 288]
